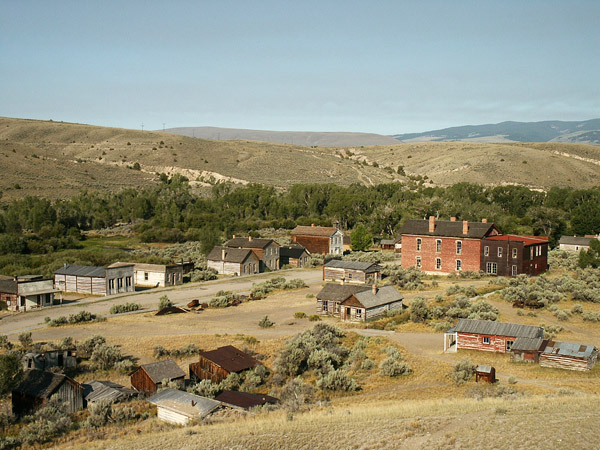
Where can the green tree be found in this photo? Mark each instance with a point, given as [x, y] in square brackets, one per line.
[361, 239]
[591, 257]
[11, 372]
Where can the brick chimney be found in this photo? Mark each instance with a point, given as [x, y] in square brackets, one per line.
[452, 219]
[374, 289]
[483, 220]
[431, 224]
[465, 227]
[249, 238]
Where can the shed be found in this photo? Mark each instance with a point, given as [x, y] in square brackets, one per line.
[66, 359]
[485, 373]
[371, 304]
[38, 386]
[95, 391]
[148, 377]
[387, 244]
[527, 349]
[332, 294]
[566, 355]
[216, 365]
[245, 400]
[181, 407]
[351, 271]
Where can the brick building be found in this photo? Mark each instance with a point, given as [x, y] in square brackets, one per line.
[510, 255]
[320, 240]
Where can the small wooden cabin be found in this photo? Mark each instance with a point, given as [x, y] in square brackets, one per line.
[371, 304]
[106, 391]
[351, 271]
[148, 377]
[67, 359]
[565, 355]
[332, 294]
[527, 349]
[387, 244]
[180, 407]
[233, 261]
[38, 386]
[265, 250]
[486, 374]
[216, 365]
[158, 275]
[294, 255]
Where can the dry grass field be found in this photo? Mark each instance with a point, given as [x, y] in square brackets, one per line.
[56, 160]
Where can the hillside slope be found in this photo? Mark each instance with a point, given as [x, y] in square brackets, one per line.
[56, 160]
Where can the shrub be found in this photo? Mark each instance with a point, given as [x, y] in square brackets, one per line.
[419, 310]
[337, 380]
[392, 367]
[591, 317]
[11, 372]
[512, 380]
[463, 371]
[367, 364]
[47, 423]
[295, 394]
[410, 278]
[231, 383]
[550, 331]
[203, 275]
[310, 295]
[100, 414]
[577, 309]
[106, 356]
[5, 343]
[164, 302]
[299, 315]
[85, 349]
[127, 307]
[265, 322]
[314, 318]
[160, 352]
[205, 388]
[125, 366]
[25, 340]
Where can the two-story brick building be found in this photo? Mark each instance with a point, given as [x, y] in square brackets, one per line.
[511, 255]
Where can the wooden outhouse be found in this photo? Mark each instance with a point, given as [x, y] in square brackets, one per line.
[485, 374]
[216, 365]
[148, 377]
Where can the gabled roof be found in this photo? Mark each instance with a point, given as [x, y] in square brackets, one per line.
[314, 231]
[161, 370]
[95, 391]
[498, 328]
[42, 384]
[244, 399]
[383, 296]
[447, 228]
[527, 240]
[244, 242]
[293, 251]
[483, 369]
[575, 240]
[8, 285]
[366, 267]
[190, 405]
[568, 349]
[82, 271]
[528, 344]
[232, 255]
[230, 358]
[339, 292]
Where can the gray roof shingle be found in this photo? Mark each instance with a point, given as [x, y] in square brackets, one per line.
[95, 391]
[339, 292]
[575, 240]
[41, 384]
[527, 344]
[498, 328]
[383, 296]
[244, 242]
[232, 255]
[292, 251]
[354, 265]
[161, 370]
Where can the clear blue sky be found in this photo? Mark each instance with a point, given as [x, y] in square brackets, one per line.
[374, 66]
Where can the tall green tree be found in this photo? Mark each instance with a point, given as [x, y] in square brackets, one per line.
[11, 372]
[361, 239]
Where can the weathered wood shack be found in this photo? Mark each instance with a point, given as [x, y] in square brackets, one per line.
[148, 377]
[233, 261]
[216, 365]
[294, 255]
[487, 335]
[387, 244]
[114, 279]
[106, 391]
[38, 386]
[485, 374]
[245, 400]
[351, 271]
[527, 349]
[24, 293]
[574, 243]
[565, 355]
[319, 240]
[265, 250]
[158, 275]
[371, 304]
[67, 359]
[332, 294]
[180, 407]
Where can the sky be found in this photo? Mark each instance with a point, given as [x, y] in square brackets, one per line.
[385, 67]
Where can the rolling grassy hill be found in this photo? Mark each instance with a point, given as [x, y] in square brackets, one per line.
[56, 160]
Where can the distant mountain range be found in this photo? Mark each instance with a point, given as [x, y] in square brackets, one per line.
[583, 132]
[304, 138]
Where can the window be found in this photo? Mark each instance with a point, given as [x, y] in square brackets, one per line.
[458, 265]
[146, 276]
[458, 247]
[438, 245]
[492, 268]
[509, 344]
[418, 261]
[111, 284]
[514, 252]
[499, 252]
[486, 340]
[438, 263]
[337, 307]
[514, 270]
[486, 251]
[120, 283]
[324, 306]
[128, 281]
[358, 313]
[419, 245]
[349, 275]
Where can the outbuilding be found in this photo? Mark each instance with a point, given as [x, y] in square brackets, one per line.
[527, 349]
[149, 377]
[180, 407]
[351, 271]
[216, 365]
[106, 391]
[245, 400]
[294, 255]
[485, 374]
[371, 304]
[333, 294]
[65, 359]
[565, 355]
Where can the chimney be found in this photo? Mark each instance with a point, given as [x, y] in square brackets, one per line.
[249, 238]
[452, 219]
[465, 227]
[312, 224]
[431, 224]
[483, 220]
[223, 254]
[374, 289]
[234, 236]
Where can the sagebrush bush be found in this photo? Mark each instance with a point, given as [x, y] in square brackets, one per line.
[393, 367]
[314, 318]
[367, 364]
[164, 302]
[265, 322]
[47, 423]
[204, 388]
[463, 371]
[299, 315]
[126, 307]
[411, 278]
[337, 380]
[106, 356]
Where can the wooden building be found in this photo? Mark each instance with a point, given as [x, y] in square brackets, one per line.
[351, 271]
[510, 255]
[233, 261]
[487, 335]
[39, 386]
[387, 244]
[294, 255]
[265, 250]
[114, 279]
[333, 294]
[575, 243]
[66, 359]
[486, 374]
[24, 293]
[216, 365]
[565, 355]
[180, 407]
[245, 400]
[371, 304]
[319, 240]
[149, 377]
[527, 349]
[106, 391]
[158, 275]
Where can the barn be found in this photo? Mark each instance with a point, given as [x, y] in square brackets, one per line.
[216, 365]
[113, 279]
[180, 407]
[487, 335]
[565, 355]
[351, 271]
[38, 386]
[149, 377]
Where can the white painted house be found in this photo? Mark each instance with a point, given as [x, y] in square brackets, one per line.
[158, 275]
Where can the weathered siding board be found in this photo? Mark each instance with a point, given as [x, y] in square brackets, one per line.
[567, 362]
[71, 283]
[207, 370]
[171, 416]
[475, 342]
[141, 382]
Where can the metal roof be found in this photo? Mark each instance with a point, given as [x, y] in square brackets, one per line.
[483, 369]
[387, 241]
[244, 399]
[339, 292]
[161, 370]
[293, 251]
[230, 358]
[569, 349]
[354, 265]
[527, 344]
[184, 403]
[82, 271]
[383, 296]
[447, 228]
[498, 328]
[95, 391]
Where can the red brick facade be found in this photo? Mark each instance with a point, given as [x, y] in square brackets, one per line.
[469, 253]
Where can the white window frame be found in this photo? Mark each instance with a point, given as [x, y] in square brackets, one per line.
[492, 268]
[515, 252]
[514, 270]
[438, 263]
[458, 265]
[486, 340]
[419, 262]
[486, 251]
[499, 252]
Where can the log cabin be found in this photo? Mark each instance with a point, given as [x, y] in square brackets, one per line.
[565, 355]
[216, 365]
[149, 377]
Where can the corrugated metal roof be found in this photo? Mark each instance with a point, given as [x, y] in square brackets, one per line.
[383, 296]
[244, 399]
[189, 405]
[95, 391]
[354, 265]
[338, 292]
[498, 328]
[569, 349]
[230, 358]
[161, 370]
[527, 344]
[313, 231]
[447, 228]
[82, 271]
